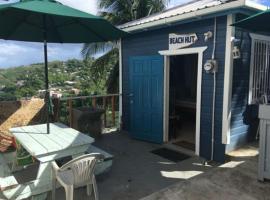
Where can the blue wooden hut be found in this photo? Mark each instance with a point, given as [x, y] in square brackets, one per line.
[187, 76]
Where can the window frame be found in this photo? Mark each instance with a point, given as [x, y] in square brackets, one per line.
[254, 38]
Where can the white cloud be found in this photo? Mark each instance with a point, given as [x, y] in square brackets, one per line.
[10, 49]
[5, 2]
[177, 2]
[13, 54]
[20, 53]
[263, 2]
[89, 6]
[64, 51]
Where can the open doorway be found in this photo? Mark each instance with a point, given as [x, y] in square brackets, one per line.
[182, 100]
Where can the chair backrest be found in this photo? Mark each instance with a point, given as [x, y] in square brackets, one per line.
[82, 168]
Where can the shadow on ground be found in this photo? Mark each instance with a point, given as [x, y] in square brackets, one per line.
[139, 174]
[235, 180]
[136, 172]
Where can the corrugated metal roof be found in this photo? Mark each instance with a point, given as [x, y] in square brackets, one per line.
[179, 10]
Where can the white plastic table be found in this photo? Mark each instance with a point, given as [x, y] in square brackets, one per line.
[61, 142]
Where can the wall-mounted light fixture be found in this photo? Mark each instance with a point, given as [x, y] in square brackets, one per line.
[208, 35]
[236, 52]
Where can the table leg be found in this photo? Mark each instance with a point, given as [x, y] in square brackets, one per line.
[44, 176]
[45, 171]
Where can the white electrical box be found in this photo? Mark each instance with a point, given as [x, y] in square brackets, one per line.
[211, 66]
[264, 150]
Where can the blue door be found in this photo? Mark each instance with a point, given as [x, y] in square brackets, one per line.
[146, 98]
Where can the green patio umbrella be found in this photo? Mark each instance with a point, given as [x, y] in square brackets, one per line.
[50, 21]
[256, 23]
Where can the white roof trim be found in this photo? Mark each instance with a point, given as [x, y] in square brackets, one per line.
[130, 27]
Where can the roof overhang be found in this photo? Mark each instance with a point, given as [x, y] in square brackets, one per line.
[240, 4]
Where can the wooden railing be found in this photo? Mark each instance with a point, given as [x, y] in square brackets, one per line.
[63, 108]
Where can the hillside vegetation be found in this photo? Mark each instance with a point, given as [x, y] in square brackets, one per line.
[25, 81]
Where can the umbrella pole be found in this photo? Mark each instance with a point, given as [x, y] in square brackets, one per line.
[47, 95]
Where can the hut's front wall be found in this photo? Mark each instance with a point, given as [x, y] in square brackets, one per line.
[150, 42]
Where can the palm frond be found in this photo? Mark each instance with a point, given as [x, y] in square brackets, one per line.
[112, 83]
[102, 66]
[91, 49]
[104, 4]
[105, 60]
[155, 6]
[117, 12]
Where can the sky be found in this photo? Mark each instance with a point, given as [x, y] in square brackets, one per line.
[22, 53]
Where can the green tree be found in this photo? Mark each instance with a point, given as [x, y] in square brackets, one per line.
[117, 12]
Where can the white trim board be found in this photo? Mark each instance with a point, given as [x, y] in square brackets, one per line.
[259, 37]
[166, 99]
[228, 76]
[120, 84]
[166, 54]
[253, 38]
[194, 14]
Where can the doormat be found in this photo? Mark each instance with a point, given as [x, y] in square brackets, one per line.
[185, 144]
[171, 155]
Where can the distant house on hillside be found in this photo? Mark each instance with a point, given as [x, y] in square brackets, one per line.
[20, 83]
[70, 82]
[56, 93]
[75, 91]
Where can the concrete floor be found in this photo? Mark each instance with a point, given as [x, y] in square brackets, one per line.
[138, 174]
[235, 180]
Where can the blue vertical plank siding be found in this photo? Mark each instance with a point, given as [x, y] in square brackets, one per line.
[151, 41]
[207, 96]
[240, 92]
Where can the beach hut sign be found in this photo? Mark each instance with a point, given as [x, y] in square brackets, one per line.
[177, 41]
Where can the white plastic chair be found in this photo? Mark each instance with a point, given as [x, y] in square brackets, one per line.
[76, 173]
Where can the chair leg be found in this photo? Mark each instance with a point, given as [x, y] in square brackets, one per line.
[69, 192]
[95, 187]
[53, 187]
[14, 164]
[89, 189]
